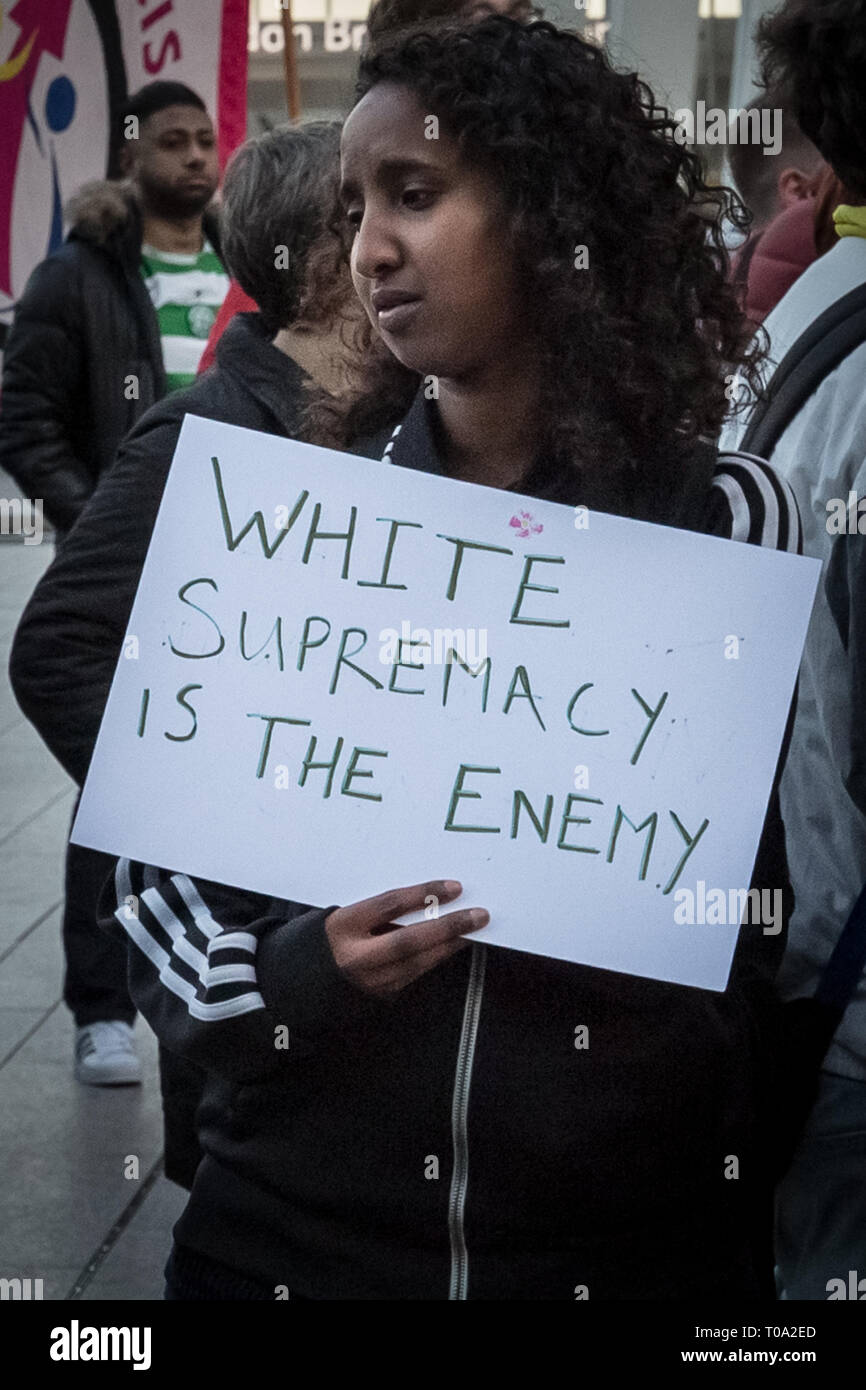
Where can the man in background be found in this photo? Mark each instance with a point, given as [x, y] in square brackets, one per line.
[120, 313]
[109, 323]
[767, 183]
[779, 191]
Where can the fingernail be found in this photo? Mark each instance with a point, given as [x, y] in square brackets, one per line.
[451, 885]
[479, 916]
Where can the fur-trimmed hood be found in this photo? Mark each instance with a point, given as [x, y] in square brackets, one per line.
[102, 210]
[107, 213]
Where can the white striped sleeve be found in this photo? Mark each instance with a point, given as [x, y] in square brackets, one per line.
[220, 973]
[209, 969]
[760, 507]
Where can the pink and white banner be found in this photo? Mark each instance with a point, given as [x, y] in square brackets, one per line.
[66, 67]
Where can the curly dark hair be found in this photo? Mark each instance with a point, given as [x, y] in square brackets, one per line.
[814, 53]
[388, 16]
[635, 351]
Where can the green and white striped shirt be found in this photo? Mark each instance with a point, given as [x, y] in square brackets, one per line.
[186, 292]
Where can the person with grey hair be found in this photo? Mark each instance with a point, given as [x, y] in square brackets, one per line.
[279, 201]
[256, 239]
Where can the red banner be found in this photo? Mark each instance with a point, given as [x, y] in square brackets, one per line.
[66, 67]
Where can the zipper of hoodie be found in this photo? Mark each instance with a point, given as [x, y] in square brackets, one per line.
[459, 1111]
[462, 1079]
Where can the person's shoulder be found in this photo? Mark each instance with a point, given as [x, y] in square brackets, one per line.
[751, 501]
[100, 215]
[216, 395]
[154, 435]
[53, 282]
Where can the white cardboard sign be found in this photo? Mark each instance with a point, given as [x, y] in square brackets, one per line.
[288, 714]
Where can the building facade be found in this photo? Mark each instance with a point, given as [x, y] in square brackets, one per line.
[689, 50]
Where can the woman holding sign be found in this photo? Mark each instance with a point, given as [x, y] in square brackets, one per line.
[401, 1112]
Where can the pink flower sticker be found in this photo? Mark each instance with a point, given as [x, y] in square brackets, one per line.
[524, 526]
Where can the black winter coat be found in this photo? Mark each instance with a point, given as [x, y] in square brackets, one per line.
[83, 360]
[71, 633]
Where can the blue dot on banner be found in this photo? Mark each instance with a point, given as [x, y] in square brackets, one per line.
[60, 104]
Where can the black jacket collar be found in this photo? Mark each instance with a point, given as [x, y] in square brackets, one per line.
[246, 351]
[106, 214]
[413, 444]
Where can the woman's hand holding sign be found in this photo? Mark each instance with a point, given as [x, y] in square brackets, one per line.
[379, 955]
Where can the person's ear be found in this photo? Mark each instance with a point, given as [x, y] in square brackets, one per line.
[793, 186]
[127, 159]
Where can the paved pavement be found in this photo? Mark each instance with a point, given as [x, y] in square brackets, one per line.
[68, 1213]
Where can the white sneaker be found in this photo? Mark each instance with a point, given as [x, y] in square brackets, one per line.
[105, 1055]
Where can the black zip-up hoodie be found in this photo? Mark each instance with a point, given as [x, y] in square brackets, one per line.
[453, 1141]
